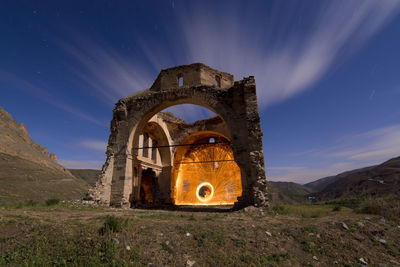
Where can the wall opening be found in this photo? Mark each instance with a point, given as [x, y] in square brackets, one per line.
[180, 80]
[217, 81]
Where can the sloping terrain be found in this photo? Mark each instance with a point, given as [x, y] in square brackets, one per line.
[289, 192]
[381, 180]
[88, 175]
[322, 183]
[28, 171]
[22, 180]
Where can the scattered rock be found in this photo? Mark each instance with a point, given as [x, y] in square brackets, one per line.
[394, 262]
[128, 248]
[360, 224]
[315, 258]
[367, 218]
[116, 241]
[363, 261]
[310, 234]
[268, 233]
[190, 263]
[188, 234]
[360, 238]
[318, 236]
[344, 226]
[383, 220]
[373, 231]
[382, 241]
[167, 243]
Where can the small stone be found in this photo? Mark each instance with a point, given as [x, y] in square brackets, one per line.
[128, 248]
[360, 224]
[161, 234]
[344, 226]
[116, 241]
[335, 262]
[382, 241]
[363, 261]
[167, 243]
[190, 263]
[367, 218]
[268, 233]
[315, 258]
[188, 234]
[151, 265]
[310, 234]
[360, 238]
[383, 220]
[395, 262]
[318, 236]
[373, 231]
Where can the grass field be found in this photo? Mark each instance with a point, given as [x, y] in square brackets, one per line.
[61, 234]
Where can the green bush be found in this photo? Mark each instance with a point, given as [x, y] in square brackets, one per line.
[113, 224]
[279, 209]
[337, 208]
[52, 201]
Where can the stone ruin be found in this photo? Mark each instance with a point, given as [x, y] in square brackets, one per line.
[154, 158]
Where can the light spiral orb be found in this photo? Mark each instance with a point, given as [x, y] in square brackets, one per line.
[205, 192]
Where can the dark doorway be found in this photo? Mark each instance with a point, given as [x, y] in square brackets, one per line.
[149, 186]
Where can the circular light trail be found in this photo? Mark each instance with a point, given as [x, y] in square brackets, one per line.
[204, 192]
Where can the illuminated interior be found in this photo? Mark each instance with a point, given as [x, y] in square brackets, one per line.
[205, 172]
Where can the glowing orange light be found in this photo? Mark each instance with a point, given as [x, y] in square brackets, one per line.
[207, 192]
[205, 174]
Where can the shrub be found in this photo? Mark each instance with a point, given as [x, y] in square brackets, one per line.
[113, 224]
[52, 201]
[279, 209]
[336, 208]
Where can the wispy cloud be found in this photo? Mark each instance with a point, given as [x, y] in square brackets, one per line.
[95, 145]
[74, 164]
[354, 151]
[283, 66]
[13, 81]
[113, 75]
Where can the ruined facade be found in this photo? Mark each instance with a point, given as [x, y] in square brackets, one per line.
[153, 157]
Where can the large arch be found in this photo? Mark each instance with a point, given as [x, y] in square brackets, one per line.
[235, 103]
[205, 159]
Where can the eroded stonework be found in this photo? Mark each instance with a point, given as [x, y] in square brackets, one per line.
[142, 143]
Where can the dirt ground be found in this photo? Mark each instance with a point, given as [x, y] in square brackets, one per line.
[64, 235]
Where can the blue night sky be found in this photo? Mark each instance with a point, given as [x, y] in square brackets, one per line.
[327, 72]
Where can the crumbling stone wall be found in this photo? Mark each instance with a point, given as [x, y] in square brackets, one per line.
[235, 103]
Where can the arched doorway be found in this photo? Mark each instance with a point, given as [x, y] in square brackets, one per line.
[205, 172]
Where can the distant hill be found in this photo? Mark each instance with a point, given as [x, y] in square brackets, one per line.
[322, 183]
[289, 192]
[28, 171]
[380, 180]
[88, 175]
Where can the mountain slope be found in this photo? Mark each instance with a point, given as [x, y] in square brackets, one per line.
[289, 192]
[88, 175]
[380, 180]
[28, 171]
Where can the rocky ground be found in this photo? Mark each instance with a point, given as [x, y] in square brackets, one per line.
[313, 235]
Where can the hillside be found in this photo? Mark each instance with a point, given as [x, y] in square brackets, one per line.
[322, 183]
[88, 175]
[289, 192]
[380, 180]
[28, 171]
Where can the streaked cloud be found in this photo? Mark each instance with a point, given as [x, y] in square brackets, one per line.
[283, 66]
[354, 151]
[13, 81]
[95, 145]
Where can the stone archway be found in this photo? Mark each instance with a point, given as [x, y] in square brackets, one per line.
[235, 103]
